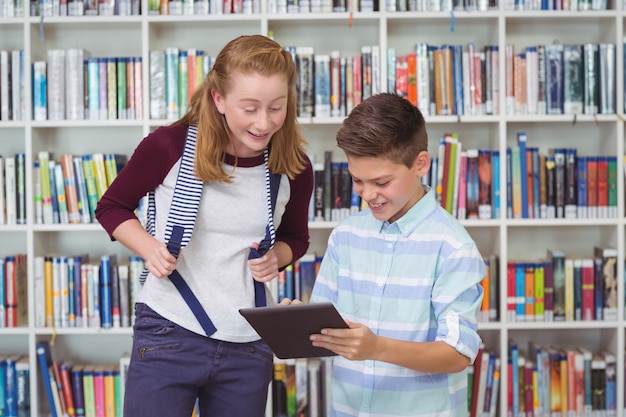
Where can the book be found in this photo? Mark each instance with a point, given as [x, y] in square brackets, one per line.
[70, 192]
[23, 397]
[573, 79]
[554, 78]
[608, 256]
[45, 364]
[485, 202]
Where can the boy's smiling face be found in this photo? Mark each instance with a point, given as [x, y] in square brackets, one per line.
[390, 189]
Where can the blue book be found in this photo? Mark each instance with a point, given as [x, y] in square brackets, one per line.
[106, 320]
[78, 290]
[307, 276]
[491, 364]
[514, 355]
[10, 385]
[611, 383]
[521, 141]
[554, 78]
[495, 167]
[45, 363]
[520, 291]
[76, 377]
[22, 370]
[509, 185]
[457, 74]
[53, 192]
[289, 284]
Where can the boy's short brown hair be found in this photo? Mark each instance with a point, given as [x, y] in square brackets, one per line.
[384, 125]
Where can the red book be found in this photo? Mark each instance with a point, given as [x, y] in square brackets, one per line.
[191, 75]
[476, 383]
[592, 187]
[411, 61]
[60, 388]
[357, 74]
[402, 77]
[64, 373]
[528, 387]
[603, 187]
[510, 299]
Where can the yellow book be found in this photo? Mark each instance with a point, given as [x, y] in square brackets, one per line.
[109, 393]
[47, 277]
[539, 291]
[99, 171]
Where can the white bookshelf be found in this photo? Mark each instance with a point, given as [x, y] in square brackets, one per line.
[510, 239]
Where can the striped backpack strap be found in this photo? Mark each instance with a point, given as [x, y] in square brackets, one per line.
[187, 192]
[186, 199]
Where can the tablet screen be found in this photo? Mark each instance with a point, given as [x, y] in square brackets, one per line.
[286, 328]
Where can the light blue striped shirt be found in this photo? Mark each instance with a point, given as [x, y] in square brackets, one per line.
[416, 279]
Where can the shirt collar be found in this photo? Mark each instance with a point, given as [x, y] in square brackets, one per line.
[416, 214]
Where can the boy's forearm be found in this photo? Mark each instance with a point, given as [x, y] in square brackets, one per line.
[436, 357]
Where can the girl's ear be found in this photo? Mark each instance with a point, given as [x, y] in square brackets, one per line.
[218, 100]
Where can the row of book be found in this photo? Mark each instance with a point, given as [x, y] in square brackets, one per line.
[301, 387]
[175, 74]
[13, 291]
[296, 280]
[439, 79]
[565, 5]
[12, 89]
[53, 8]
[440, 5]
[549, 380]
[75, 291]
[331, 85]
[14, 386]
[483, 384]
[562, 288]
[81, 390]
[72, 86]
[490, 307]
[561, 79]
[559, 184]
[446, 80]
[67, 191]
[333, 196]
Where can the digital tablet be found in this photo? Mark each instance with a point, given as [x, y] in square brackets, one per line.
[286, 328]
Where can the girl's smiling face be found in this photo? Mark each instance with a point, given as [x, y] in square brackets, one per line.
[255, 108]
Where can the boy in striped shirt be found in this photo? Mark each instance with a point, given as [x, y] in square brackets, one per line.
[403, 273]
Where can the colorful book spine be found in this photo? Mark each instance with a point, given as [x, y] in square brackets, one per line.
[45, 362]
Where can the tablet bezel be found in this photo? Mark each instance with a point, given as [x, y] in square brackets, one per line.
[286, 328]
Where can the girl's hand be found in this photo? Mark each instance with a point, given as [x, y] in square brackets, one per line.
[265, 268]
[161, 262]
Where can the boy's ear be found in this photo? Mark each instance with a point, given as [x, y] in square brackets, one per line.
[422, 163]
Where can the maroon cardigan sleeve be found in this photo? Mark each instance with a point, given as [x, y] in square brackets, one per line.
[146, 169]
[294, 226]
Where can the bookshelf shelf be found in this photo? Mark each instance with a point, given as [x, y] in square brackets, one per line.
[510, 239]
